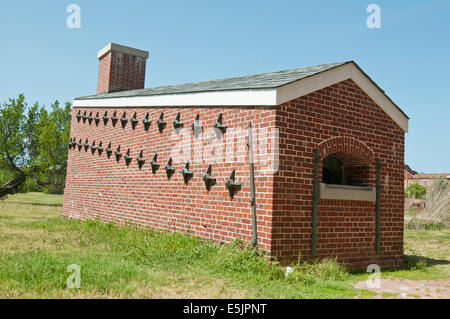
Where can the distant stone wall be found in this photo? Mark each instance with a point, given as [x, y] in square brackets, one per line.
[425, 181]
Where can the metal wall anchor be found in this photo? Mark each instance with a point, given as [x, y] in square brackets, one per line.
[177, 122]
[105, 118]
[134, 121]
[196, 127]
[208, 179]
[70, 144]
[93, 147]
[140, 160]
[90, 118]
[97, 119]
[146, 122]
[231, 185]
[100, 148]
[117, 154]
[187, 175]
[128, 158]
[114, 119]
[169, 169]
[124, 120]
[109, 150]
[219, 126]
[155, 166]
[86, 145]
[161, 123]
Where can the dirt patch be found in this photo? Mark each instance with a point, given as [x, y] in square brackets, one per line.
[190, 287]
[408, 289]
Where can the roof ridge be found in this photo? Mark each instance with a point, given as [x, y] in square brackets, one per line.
[259, 74]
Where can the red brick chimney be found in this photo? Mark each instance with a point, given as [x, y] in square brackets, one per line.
[120, 68]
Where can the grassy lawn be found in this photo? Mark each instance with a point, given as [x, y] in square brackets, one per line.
[37, 246]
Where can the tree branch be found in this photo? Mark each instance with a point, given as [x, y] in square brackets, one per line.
[12, 186]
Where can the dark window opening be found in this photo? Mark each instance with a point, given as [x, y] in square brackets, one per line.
[333, 171]
[343, 169]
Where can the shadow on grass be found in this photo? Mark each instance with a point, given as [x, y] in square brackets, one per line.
[41, 204]
[413, 261]
[37, 204]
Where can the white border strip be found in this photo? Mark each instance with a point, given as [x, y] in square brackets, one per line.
[122, 49]
[241, 97]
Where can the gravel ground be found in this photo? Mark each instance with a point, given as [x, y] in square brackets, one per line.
[409, 289]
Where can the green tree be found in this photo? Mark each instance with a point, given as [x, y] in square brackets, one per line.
[33, 144]
[53, 135]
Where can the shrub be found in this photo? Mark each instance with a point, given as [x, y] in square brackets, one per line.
[416, 191]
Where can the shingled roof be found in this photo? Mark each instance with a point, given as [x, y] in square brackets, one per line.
[254, 82]
[273, 88]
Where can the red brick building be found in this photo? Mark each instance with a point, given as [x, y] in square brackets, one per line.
[328, 158]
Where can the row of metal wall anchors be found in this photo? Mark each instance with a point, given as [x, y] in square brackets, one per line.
[209, 181]
[177, 124]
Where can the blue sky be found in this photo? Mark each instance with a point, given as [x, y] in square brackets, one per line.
[409, 56]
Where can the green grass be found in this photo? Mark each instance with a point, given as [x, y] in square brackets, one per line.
[427, 254]
[37, 246]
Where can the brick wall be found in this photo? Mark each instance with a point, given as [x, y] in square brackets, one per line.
[101, 188]
[346, 229]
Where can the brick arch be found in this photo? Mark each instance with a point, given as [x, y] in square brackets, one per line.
[349, 149]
